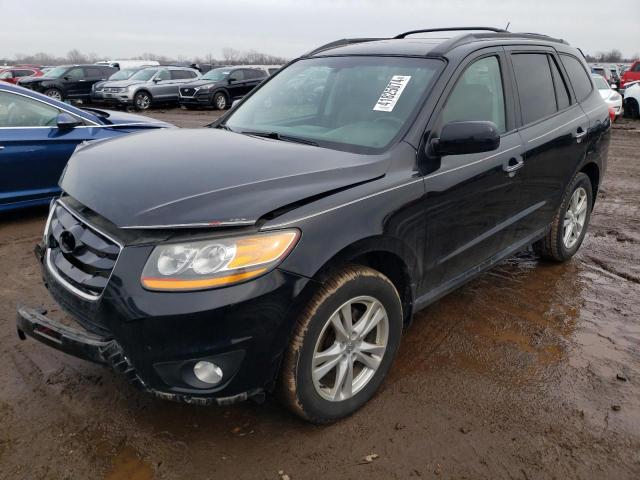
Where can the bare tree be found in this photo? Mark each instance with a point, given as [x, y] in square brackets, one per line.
[75, 56]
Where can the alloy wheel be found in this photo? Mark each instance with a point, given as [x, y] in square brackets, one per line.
[221, 102]
[143, 101]
[575, 217]
[350, 348]
[55, 94]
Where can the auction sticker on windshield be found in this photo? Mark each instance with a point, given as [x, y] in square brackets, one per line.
[391, 94]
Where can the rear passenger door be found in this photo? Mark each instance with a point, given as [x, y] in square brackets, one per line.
[553, 128]
[253, 78]
[236, 83]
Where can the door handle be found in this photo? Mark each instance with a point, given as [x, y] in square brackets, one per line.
[514, 164]
[580, 133]
[1, 147]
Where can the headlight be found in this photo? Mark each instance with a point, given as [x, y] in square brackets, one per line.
[217, 262]
[614, 97]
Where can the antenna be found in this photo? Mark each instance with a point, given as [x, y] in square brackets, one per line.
[507, 27]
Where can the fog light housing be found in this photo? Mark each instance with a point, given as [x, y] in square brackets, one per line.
[208, 372]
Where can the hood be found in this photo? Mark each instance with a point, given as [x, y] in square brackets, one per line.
[208, 177]
[200, 83]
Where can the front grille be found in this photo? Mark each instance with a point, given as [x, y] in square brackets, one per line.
[187, 92]
[80, 255]
[112, 89]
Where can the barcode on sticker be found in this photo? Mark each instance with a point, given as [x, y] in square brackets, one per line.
[391, 93]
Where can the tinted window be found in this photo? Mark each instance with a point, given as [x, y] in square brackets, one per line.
[636, 67]
[74, 74]
[254, 74]
[578, 76]
[273, 70]
[535, 86]
[7, 74]
[562, 93]
[478, 95]
[182, 74]
[22, 73]
[93, 72]
[19, 111]
[236, 75]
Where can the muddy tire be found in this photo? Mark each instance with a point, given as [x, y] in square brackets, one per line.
[142, 101]
[342, 346]
[220, 101]
[570, 223]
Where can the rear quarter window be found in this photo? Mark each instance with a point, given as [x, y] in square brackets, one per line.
[582, 85]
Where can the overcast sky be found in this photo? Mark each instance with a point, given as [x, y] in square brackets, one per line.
[124, 28]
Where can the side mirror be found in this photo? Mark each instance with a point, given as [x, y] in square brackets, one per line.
[66, 77]
[64, 121]
[461, 138]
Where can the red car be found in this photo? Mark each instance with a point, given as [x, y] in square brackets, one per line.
[13, 74]
[632, 74]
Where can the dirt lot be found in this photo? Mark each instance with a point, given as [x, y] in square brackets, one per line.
[530, 371]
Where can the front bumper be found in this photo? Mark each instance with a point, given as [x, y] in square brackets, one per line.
[198, 99]
[156, 338]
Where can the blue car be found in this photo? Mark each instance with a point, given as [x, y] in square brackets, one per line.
[39, 134]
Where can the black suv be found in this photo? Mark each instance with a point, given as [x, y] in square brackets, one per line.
[220, 87]
[69, 82]
[288, 246]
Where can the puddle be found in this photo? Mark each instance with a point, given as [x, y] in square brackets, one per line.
[128, 465]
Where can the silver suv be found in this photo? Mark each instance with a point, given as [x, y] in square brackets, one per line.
[149, 85]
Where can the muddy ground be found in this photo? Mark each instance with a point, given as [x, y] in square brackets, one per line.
[530, 371]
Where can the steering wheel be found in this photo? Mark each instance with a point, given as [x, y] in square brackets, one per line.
[393, 120]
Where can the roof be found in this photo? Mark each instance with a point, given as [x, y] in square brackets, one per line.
[403, 44]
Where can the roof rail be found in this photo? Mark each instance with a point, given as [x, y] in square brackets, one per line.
[340, 43]
[450, 29]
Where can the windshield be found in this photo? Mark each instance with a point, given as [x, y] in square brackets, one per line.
[123, 74]
[144, 75]
[56, 72]
[216, 74]
[601, 83]
[351, 103]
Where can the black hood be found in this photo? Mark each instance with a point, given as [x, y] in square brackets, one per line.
[200, 83]
[205, 176]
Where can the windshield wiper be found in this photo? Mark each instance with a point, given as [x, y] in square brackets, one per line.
[279, 136]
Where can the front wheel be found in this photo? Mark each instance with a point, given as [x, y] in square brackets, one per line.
[343, 345]
[570, 224]
[220, 101]
[142, 101]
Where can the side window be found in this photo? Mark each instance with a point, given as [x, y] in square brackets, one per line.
[93, 72]
[236, 75]
[578, 76]
[190, 74]
[535, 86]
[636, 67]
[562, 94]
[254, 74]
[273, 70]
[181, 74]
[5, 75]
[163, 75]
[19, 111]
[478, 95]
[22, 73]
[75, 74]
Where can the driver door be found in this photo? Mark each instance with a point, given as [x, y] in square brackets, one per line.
[33, 150]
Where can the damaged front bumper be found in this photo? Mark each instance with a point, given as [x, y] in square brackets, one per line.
[103, 350]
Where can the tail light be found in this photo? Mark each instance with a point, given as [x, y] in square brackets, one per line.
[612, 114]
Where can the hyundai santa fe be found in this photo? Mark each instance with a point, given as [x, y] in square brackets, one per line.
[286, 248]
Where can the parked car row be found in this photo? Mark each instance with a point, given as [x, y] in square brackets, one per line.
[136, 84]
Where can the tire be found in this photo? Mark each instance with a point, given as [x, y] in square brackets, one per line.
[631, 109]
[54, 93]
[554, 246]
[316, 398]
[220, 101]
[142, 101]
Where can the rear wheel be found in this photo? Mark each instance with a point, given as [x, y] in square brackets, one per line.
[54, 93]
[570, 223]
[220, 101]
[142, 101]
[343, 345]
